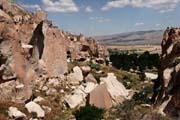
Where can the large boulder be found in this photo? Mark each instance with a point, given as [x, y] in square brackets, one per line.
[33, 107]
[116, 89]
[100, 97]
[76, 76]
[76, 98]
[89, 86]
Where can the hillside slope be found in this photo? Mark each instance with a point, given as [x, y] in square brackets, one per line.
[151, 37]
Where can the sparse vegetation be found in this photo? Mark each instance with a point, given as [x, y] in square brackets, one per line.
[89, 113]
[95, 66]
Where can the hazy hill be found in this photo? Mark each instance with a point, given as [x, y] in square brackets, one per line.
[151, 37]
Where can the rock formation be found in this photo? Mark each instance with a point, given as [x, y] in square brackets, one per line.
[26, 49]
[30, 46]
[82, 48]
[166, 88]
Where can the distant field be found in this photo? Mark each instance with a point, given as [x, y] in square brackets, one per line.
[137, 48]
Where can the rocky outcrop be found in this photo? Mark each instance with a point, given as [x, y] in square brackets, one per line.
[27, 41]
[166, 88]
[82, 48]
[46, 39]
[31, 47]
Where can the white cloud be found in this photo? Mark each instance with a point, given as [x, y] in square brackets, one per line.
[60, 6]
[139, 24]
[34, 6]
[157, 25]
[115, 4]
[89, 9]
[160, 5]
[100, 19]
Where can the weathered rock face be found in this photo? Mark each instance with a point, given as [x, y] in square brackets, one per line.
[82, 48]
[29, 46]
[167, 85]
[49, 47]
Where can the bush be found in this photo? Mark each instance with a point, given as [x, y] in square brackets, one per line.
[94, 66]
[89, 113]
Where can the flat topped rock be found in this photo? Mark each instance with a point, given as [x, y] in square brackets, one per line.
[100, 97]
[33, 107]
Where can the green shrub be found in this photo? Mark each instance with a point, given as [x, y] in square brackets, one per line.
[142, 96]
[94, 66]
[4, 110]
[126, 61]
[10, 14]
[89, 113]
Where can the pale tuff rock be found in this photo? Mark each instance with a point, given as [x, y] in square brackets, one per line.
[116, 89]
[38, 99]
[151, 75]
[89, 86]
[4, 15]
[54, 62]
[90, 78]
[78, 73]
[86, 69]
[51, 91]
[20, 86]
[100, 97]
[76, 76]
[26, 46]
[33, 107]
[17, 18]
[13, 112]
[77, 98]
[53, 81]
[163, 106]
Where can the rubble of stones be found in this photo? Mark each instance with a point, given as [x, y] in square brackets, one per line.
[34, 57]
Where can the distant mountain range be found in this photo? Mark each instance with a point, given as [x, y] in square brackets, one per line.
[151, 37]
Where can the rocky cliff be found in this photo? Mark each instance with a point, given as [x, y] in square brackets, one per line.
[30, 46]
[166, 88]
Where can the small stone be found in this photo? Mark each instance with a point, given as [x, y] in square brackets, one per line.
[20, 86]
[53, 82]
[38, 99]
[44, 88]
[62, 91]
[15, 113]
[76, 98]
[51, 91]
[86, 68]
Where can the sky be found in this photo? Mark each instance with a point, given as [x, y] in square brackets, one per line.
[106, 17]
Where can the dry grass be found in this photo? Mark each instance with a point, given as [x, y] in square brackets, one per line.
[138, 48]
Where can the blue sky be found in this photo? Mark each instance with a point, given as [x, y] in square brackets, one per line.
[103, 17]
